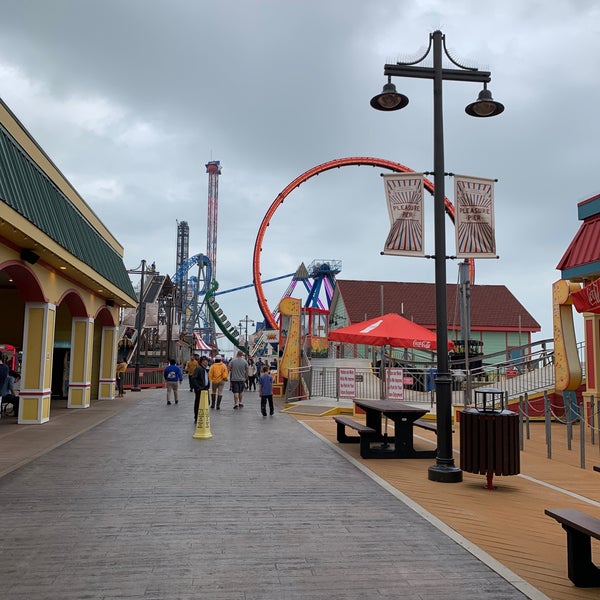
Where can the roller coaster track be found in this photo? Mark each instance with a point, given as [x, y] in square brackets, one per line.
[221, 320]
[223, 323]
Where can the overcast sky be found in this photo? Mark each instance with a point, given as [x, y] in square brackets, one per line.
[131, 98]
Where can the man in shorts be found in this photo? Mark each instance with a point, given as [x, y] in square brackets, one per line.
[238, 375]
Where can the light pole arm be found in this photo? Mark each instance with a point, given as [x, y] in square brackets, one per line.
[430, 73]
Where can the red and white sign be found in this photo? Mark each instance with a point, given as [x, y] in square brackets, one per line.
[271, 336]
[587, 299]
[346, 382]
[395, 383]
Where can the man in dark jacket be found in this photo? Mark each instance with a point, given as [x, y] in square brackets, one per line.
[200, 382]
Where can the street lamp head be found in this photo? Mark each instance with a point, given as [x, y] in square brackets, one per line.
[389, 99]
[485, 105]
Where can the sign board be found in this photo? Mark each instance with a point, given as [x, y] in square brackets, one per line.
[346, 382]
[395, 383]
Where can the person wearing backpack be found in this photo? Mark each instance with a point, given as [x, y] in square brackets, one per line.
[173, 376]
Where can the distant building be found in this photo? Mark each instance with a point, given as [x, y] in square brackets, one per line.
[498, 319]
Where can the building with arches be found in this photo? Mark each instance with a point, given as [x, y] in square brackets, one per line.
[62, 280]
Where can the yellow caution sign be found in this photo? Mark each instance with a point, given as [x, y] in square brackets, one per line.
[203, 422]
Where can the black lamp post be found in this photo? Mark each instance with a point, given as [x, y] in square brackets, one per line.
[139, 321]
[444, 469]
[245, 322]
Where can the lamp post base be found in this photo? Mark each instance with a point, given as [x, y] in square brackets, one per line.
[445, 473]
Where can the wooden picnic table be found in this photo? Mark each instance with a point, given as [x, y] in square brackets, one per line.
[400, 444]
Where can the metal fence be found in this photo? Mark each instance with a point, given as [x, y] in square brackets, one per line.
[150, 377]
[530, 370]
[581, 420]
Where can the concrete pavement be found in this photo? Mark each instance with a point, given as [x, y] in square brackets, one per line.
[135, 507]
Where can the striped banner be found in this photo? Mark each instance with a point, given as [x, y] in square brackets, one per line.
[474, 222]
[404, 195]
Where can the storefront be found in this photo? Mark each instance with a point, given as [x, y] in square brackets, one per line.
[62, 280]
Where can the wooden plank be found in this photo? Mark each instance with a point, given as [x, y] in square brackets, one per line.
[509, 522]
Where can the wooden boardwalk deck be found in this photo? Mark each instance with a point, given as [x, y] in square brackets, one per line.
[509, 522]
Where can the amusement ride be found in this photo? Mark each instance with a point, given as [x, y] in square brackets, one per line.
[195, 276]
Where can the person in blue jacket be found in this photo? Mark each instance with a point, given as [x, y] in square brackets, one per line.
[265, 389]
[173, 376]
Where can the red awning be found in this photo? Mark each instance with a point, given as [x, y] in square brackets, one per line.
[587, 299]
[200, 343]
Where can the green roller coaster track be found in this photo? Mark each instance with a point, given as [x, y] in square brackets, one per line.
[221, 321]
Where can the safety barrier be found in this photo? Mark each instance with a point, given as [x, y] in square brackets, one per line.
[150, 377]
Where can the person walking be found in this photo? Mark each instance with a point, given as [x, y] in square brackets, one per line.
[200, 382]
[265, 389]
[238, 373]
[218, 375]
[190, 366]
[252, 375]
[173, 376]
[121, 370]
[259, 365]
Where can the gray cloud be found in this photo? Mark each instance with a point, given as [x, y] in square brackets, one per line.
[131, 98]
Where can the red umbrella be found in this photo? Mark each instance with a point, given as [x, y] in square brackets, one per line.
[388, 330]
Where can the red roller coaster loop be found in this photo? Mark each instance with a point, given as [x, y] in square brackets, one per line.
[327, 166]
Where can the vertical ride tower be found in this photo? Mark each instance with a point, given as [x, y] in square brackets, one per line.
[183, 252]
[213, 169]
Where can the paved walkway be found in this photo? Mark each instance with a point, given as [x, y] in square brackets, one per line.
[137, 508]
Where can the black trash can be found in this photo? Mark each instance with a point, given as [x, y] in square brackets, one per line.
[489, 438]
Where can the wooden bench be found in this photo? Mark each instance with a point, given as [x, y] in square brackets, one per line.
[597, 468]
[365, 434]
[580, 528]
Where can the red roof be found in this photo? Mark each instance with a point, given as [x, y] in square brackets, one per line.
[585, 247]
[493, 307]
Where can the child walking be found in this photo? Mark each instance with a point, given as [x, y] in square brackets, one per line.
[265, 389]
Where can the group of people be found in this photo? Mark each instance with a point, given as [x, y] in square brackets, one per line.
[206, 376]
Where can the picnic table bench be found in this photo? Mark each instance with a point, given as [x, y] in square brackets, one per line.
[425, 424]
[580, 528]
[365, 434]
[374, 441]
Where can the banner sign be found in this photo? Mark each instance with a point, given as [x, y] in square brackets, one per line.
[474, 220]
[271, 336]
[404, 196]
[587, 299]
[395, 383]
[346, 382]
